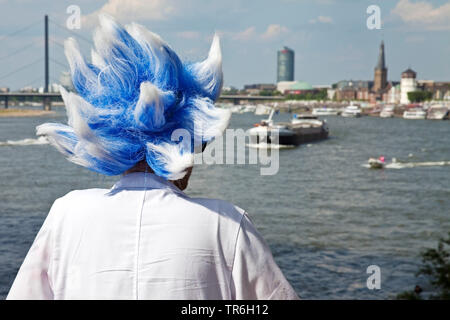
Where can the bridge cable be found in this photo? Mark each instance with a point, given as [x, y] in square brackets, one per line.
[65, 65]
[18, 50]
[72, 32]
[57, 42]
[21, 68]
[33, 81]
[20, 30]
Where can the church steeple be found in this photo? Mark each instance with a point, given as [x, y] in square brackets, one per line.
[380, 80]
[381, 65]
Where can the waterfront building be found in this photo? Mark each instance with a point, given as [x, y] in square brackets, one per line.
[346, 94]
[372, 91]
[322, 86]
[363, 94]
[394, 94]
[229, 90]
[408, 83]
[352, 90]
[255, 89]
[285, 65]
[380, 78]
[298, 87]
[27, 89]
[440, 90]
[282, 86]
[381, 86]
[384, 91]
[331, 93]
[353, 84]
[54, 87]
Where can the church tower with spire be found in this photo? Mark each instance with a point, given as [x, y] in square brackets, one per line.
[380, 81]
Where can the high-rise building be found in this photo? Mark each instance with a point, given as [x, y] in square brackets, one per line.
[380, 81]
[285, 65]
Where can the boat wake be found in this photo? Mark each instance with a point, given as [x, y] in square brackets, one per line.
[403, 165]
[25, 142]
[269, 146]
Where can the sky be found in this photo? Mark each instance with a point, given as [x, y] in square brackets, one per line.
[330, 38]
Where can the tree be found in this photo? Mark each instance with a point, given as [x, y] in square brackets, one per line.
[313, 95]
[269, 93]
[419, 96]
[232, 91]
[435, 265]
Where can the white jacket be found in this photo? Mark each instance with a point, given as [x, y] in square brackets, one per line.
[146, 239]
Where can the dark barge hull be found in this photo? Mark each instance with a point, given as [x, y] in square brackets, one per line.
[297, 137]
[301, 136]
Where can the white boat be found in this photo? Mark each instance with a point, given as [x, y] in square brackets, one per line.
[438, 112]
[414, 114]
[301, 129]
[351, 111]
[376, 163]
[262, 110]
[236, 109]
[249, 108]
[387, 112]
[324, 111]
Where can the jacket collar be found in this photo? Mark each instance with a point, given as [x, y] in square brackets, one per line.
[143, 180]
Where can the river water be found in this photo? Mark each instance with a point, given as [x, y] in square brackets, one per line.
[325, 215]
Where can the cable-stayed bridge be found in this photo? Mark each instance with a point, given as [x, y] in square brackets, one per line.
[51, 65]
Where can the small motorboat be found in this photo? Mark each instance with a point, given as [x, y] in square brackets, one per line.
[387, 112]
[351, 111]
[376, 163]
[414, 114]
[438, 112]
[262, 109]
[324, 111]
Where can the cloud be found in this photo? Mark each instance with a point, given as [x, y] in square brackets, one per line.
[324, 19]
[316, 1]
[415, 39]
[422, 14]
[133, 10]
[247, 34]
[188, 34]
[321, 19]
[274, 30]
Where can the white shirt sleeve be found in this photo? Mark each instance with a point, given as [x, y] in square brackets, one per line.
[255, 274]
[32, 281]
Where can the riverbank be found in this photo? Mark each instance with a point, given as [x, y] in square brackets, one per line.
[23, 113]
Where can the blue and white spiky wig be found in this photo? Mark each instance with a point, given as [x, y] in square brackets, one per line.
[131, 97]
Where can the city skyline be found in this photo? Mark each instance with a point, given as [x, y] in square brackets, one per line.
[330, 39]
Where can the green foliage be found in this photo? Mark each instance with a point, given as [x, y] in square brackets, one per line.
[230, 92]
[408, 295]
[436, 266]
[419, 96]
[313, 95]
[269, 93]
